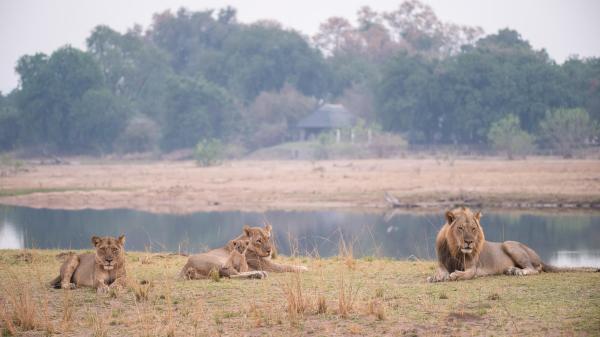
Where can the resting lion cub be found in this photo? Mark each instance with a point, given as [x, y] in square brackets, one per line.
[237, 257]
[103, 270]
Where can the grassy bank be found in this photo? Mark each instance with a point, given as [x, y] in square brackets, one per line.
[338, 297]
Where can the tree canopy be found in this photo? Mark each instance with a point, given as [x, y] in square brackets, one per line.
[199, 75]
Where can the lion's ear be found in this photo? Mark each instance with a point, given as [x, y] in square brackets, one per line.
[121, 240]
[478, 216]
[268, 228]
[96, 240]
[247, 231]
[450, 217]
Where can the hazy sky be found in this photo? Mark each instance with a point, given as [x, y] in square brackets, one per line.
[563, 27]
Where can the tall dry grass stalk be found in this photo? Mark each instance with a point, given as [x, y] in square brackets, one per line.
[321, 305]
[377, 309]
[297, 303]
[7, 321]
[169, 313]
[141, 290]
[198, 316]
[97, 324]
[24, 304]
[346, 298]
[345, 252]
[67, 317]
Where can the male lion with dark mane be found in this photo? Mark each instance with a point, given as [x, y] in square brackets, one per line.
[257, 252]
[103, 270]
[463, 253]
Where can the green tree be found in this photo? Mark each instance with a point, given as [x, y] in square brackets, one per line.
[244, 59]
[455, 100]
[9, 122]
[50, 86]
[132, 68]
[196, 109]
[97, 119]
[566, 130]
[506, 136]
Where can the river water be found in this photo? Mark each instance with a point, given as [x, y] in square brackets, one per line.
[561, 238]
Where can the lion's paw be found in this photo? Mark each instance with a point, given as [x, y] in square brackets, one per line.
[455, 276]
[259, 274]
[68, 286]
[514, 271]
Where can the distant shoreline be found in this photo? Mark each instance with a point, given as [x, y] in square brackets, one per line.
[538, 183]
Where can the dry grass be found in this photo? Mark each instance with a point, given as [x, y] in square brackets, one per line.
[321, 305]
[377, 309]
[22, 303]
[297, 303]
[141, 289]
[345, 252]
[97, 324]
[347, 297]
[214, 275]
[378, 297]
[67, 316]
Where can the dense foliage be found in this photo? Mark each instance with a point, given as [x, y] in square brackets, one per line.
[204, 75]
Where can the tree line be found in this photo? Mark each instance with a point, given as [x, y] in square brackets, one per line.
[194, 76]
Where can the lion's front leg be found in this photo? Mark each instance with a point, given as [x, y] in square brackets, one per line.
[67, 270]
[463, 275]
[267, 265]
[100, 282]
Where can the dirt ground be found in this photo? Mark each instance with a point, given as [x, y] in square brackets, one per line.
[182, 187]
[338, 296]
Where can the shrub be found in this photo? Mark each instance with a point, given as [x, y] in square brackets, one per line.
[566, 130]
[322, 149]
[506, 136]
[208, 152]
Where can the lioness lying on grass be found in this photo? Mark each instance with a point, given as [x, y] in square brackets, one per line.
[257, 254]
[463, 253]
[103, 270]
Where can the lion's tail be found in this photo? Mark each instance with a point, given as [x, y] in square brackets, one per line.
[55, 283]
[552, 269]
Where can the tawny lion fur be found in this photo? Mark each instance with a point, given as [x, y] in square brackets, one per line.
[463, 253]
[257, 254]
[103, 270]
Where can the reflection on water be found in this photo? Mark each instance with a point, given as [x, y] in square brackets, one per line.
[552, 235]
[10, 238]
[584, 258]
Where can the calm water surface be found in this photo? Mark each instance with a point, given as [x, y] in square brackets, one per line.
[564, 239]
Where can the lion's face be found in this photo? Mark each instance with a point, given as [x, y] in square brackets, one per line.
[466, 233]
[259, 240]
[240, 245]
[109, 251]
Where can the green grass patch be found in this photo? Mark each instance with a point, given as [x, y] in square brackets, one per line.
[26, 191]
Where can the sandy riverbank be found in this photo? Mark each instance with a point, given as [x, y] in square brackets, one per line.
[182, 187]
